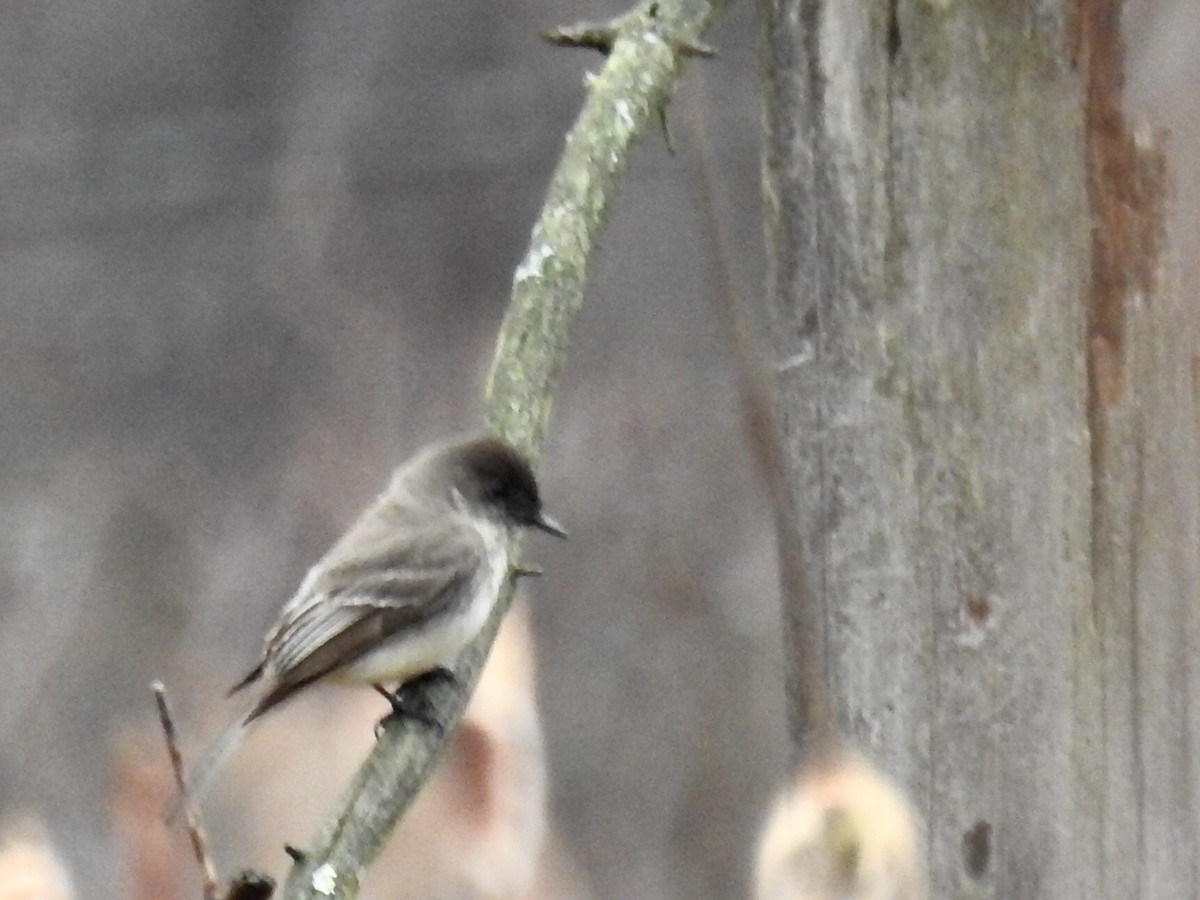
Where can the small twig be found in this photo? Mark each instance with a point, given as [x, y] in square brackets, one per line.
[191, 814]
[666, 129]
[295, 853]
[696, 48]
[525, 571]
[590, 36]
[586, 34]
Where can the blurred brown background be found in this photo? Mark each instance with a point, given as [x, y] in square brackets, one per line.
[254, 252]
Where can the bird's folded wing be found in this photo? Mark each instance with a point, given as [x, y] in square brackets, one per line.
[347, 607]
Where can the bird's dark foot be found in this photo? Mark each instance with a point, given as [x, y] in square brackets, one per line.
[408, 702]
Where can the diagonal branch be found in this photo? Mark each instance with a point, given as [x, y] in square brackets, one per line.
[624, 99]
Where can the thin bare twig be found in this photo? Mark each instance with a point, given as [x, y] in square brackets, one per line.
[765, 434]
[195, 828]
[587, 35]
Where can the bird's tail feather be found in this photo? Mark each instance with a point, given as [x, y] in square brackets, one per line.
[205, 772]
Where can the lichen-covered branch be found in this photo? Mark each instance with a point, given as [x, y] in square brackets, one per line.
[624, 98]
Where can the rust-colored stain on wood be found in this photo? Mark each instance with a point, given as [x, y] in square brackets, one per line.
[978, 610]
[1126, 185]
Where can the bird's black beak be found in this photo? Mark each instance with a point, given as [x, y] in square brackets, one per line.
[543, 521]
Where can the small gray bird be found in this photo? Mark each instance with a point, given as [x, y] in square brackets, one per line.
[406, 588]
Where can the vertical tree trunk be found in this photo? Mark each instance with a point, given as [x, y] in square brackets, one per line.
[991, 434]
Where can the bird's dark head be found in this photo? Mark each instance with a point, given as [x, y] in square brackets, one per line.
[491, 476]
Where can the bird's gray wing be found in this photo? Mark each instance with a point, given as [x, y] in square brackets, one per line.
[364, 591]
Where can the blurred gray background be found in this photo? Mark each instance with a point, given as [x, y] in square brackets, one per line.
[253, 253]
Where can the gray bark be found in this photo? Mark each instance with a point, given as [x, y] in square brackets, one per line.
[990, 434]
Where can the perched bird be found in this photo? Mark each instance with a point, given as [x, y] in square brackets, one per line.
[406, 588]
